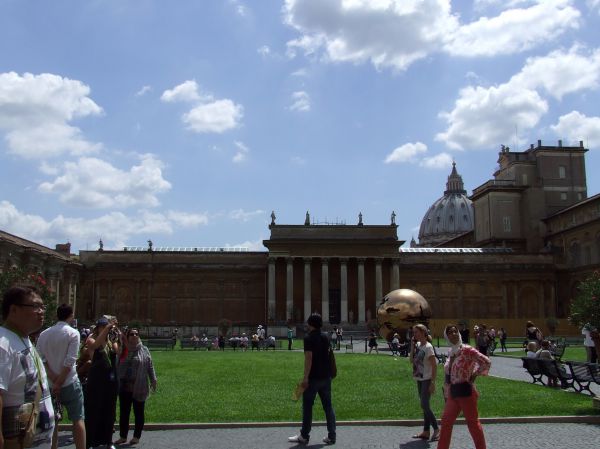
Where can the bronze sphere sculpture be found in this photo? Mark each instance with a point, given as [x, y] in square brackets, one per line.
[400, 310]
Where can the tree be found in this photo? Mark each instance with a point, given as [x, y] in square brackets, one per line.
[585, 308]
[21, 277]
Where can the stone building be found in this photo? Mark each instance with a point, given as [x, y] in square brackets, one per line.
[530, 235]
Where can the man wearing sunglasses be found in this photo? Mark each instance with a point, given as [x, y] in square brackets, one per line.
[23, 385]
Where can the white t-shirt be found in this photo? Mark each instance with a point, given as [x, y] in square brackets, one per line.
[19, 381]
[421, 361]
[587, 341]
[58, 346]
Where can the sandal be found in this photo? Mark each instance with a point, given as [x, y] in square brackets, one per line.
[121, 441]
[435, 436]
[421, 436]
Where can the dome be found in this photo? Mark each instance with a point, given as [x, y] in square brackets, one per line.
[450, 216]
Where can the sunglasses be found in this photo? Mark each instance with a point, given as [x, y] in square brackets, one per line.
[35, 307]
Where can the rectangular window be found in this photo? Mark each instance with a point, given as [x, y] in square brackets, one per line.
[562, 172]
[524, 179]
[563, 196]
[506, 224]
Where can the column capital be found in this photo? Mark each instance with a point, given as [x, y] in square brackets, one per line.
[343, 260]
[289, 260]
[272, 259]
[378, 260]
[307, 260]
[361, 260]
[324, 260]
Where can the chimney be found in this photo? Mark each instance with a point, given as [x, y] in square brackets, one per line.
[539, 143]
[581, 144]
[560, 144]
[63, 248]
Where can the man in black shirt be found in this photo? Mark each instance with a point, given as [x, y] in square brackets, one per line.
[317, 379]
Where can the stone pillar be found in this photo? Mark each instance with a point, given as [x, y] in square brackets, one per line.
[395, 280]
[325, 290]
[307, 287]
[289, 289]
[271, 314]
[361, 291]
[378, 282]
[344, 290]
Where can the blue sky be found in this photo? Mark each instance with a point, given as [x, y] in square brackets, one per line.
[188, 122]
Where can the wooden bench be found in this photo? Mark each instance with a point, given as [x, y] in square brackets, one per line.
[533, 368]
[554, 369]
[159, 343]
[581, 376]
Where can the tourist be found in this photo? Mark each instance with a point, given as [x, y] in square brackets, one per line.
[340, 336]
[22, 374]
[373, 343]
[316, 380]
[290, 336]
[532, 333]
[195, 341]
[465, 333]
[244, 342]
[271, 342]
[464, 364]
[424, 364]
[204, 342]
[136, 375]
[101, 390]
[532, 348]
[59, 346]
[254, 342]
[221, 342]
[588, 342]
[503, 337]
[482, 338]
[395, 344]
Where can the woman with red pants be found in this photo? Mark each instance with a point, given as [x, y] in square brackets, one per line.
[464, 364]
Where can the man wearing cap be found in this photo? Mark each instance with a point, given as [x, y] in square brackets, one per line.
[59, 347]
[316, 380]
[23, 384]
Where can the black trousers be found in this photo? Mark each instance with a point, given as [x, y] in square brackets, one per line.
[125, 402]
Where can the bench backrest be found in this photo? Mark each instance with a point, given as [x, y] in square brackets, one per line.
[531, 365]
[580, 371]
[594, 370]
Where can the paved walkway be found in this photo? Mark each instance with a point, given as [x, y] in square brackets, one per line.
[498, 436]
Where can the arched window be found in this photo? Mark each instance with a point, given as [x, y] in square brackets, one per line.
[574, 253]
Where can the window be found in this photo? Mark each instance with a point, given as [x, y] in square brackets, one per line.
[506, 224]
[562, 172]
[563, 196]
[579, 196]
[524, 179]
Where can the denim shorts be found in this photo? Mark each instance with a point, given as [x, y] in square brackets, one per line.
[71, 398]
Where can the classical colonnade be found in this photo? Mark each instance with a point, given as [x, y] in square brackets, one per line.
[325, 285]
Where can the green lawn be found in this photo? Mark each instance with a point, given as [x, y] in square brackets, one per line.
[200, 386]
[576, 353]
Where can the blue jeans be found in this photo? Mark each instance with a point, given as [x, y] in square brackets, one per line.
[428, 416]
[323, 388]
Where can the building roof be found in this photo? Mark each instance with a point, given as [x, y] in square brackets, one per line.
[5, 237]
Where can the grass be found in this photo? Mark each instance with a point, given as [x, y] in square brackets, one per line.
[200, 386]
[576, 353]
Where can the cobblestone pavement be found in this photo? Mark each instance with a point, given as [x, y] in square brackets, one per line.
[498, 436]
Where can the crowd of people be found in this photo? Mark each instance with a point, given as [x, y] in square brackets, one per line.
[68, 371]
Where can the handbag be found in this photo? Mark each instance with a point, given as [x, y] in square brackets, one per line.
[461, 390]
[332, 364]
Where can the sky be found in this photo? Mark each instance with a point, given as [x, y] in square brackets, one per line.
[189, 122]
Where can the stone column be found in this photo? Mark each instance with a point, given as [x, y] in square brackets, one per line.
[378, 282]
[344, 290]
[325, 290]
[271, 295]
[289, 289]
[395, 281]
[361, 291]
[307, 287]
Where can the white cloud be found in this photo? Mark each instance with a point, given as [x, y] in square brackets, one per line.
[187, 220]
[514, 30]
[242, 153]
[35, 111]
[209, 115]
[300, 102]
[396, 33]
[114, 228]
[575, 126]
[264, 51]
[255, 245]
[484, 117]
[387, 33]
[184, 92]
[439, 161]
[143, 91]
[216, 117]
[561, 72]
[94, 183]
[242, 215]
[409, 152]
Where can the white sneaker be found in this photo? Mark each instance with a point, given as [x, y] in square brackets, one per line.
[298, 439]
